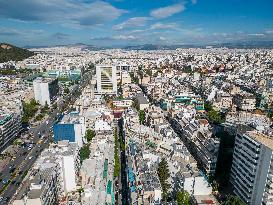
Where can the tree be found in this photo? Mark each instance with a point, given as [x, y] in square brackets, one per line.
[116, 155]
[233, 200]
[46, 107]
[66, 90]
[140, 74]
[29, 110]
[54, 106]
[80, 190]
[33, 102]
[183, 198]
[163, 174]
[208, 107]
[84, 152]
[215, 117]
[149, 72]
[270, 115]
[89, 135]
[141, 116]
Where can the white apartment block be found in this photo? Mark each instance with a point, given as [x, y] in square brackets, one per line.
[252, 167]
[245, 101]
[45, 90]
[106, 79]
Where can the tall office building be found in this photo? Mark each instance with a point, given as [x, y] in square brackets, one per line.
[45, 90]
[106, 79]
[252, 167]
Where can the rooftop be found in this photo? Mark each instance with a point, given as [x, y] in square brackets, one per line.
[262, 138]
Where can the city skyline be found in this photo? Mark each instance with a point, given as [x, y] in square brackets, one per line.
[122, 23]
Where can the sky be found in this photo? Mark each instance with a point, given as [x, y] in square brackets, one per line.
[134, 22]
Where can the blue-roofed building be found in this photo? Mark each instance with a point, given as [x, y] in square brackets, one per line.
[72, 128]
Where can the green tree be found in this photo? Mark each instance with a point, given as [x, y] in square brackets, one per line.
[89, 135]
[208, 107]
[134, 79]
[29, 110]
[149, 72]
[33, 102]
[183, 198]
[84, 152]
[66, 90]
[215, 117]
[140, 74]
[46, 107]
[54, 106]
[233, 200]
[116, 155]
[270, 115]
[163, 174]
[141, 115]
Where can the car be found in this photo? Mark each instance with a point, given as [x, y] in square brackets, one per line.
[7, 199]
[5, 181]
[30, 157]
[12, 170]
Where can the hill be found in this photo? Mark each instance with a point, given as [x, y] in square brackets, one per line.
[12, 53]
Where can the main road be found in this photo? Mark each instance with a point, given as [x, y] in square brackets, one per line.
[42, 136]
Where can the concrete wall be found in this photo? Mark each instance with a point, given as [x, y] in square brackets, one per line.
[69, 173]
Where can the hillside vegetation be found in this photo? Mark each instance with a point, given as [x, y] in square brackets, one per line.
[12, 53]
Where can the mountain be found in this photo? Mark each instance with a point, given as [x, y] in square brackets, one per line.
[231, 45]
[247, 44]
[12, 53]
[150, 47]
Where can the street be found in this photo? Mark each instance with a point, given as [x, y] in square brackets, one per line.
[42, 136]
[123, 170]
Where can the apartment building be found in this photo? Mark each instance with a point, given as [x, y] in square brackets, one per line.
[45, 90]
[252, 167]
[41, 188]
[204, 146]
[106, 79]
[72, 128]
[223, 100]
[10, 126]
[245, 101]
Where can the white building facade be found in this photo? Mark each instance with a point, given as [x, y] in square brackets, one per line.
[45, 90]
[106, 79]
[252, 168]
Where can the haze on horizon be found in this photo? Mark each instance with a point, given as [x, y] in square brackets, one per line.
[134, 22]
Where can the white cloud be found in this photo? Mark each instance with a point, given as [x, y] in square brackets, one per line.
[164, 26]
[255, 34]
[162, 38]
[64, 12]
[194, 1]
[269, 32]
[123, 37]
[4, 31]
[168, 11]
[131, 23]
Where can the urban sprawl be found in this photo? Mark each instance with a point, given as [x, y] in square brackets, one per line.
[107, 127]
